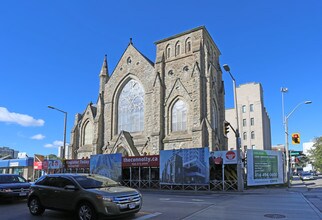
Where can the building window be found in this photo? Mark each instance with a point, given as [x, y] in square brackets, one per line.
[168, 52]
[252, 121]
[88, 133]
[214, 116]
[252, 135]
[177, 49]
[131, 107]
[245, 136]
[179, 116]
[251, 107]
[188, 45]
[244, 108]
[244, 122]
[253, 147]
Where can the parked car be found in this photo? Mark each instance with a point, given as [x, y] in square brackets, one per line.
[315, 173]
[13, 186]
[307, 176]
[88, 195]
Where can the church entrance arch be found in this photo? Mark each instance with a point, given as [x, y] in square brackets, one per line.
[122, 151]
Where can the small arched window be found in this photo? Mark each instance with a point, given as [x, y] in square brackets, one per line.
[168, 51]
[252, 135]
[179, 116]
[177, 49]
[188, 45]
[245, 136]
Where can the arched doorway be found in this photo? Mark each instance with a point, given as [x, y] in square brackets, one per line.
[122, 151]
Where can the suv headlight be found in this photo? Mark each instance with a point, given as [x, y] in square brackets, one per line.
[105, 198]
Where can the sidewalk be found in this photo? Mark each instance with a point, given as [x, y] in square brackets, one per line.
[264, 204]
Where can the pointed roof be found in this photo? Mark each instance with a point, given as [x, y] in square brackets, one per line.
[130, 45]
[126, 140]
[104, 69]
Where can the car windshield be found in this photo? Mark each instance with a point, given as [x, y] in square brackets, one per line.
[95, 181]
[11, 179]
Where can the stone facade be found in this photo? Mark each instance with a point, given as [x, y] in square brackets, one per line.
[186, 71]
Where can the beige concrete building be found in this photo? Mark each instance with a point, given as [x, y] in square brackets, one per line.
[144, 106]
[254, 122]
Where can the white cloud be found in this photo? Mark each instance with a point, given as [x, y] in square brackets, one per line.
[55, 144]
[38, 137]
[21, 119]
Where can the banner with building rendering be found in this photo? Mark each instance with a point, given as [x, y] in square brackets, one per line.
[264, 167]
[184, 166]
[109, 165]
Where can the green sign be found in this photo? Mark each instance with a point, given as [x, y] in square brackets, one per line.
[295, 153]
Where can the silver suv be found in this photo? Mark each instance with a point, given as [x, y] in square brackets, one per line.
[88, 195]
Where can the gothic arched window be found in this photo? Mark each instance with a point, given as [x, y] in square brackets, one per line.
[214, 116]
[88, 133]
[131, 107]
[168, 52]
[179, 116]
[177, 49]
[188, 45]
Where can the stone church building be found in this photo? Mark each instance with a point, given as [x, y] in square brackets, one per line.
[144, 107]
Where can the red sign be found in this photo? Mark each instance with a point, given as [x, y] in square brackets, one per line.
[230, 155]
[141, 161]
[38, 165]
[80, 163]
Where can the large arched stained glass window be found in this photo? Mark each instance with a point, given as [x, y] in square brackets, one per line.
[131, 107]
[179, 116]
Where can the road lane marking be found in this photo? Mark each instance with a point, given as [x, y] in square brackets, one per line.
[149, 216]
[187, 202]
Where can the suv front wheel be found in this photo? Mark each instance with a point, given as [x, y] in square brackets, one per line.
[35, 208]
[86, 211]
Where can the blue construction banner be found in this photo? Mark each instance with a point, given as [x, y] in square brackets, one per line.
[184, 166]
[109, 165]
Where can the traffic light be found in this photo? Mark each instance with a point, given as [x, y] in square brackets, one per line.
[226, 127]
[296, 138]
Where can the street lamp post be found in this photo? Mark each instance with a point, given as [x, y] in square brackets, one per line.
[65, 122]
[240, 180]
[285, 122]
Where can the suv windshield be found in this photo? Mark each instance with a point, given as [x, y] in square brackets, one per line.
[95, 181]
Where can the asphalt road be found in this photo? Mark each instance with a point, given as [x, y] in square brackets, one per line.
[168, 205]
[157, 205]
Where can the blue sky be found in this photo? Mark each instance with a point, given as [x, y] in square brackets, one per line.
[52, 51]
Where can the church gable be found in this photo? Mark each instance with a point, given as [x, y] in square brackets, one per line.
[178, 89]
[132, 65]
[125, 145]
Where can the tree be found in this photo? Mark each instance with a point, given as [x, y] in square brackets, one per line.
[52, 157]
[315, 154]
